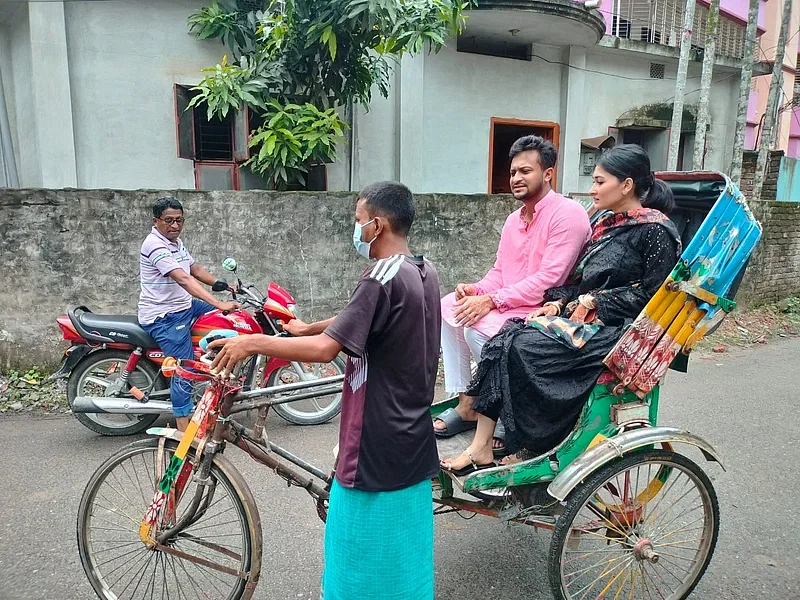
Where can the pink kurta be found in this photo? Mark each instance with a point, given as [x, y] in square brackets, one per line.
[531, 258]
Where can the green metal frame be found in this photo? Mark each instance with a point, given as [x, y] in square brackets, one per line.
[595, 422]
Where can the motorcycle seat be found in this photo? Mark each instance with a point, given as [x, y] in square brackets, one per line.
[120, 329]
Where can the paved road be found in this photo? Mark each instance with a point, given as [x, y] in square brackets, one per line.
[745, 404]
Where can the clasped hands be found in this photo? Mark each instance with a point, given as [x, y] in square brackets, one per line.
[471, 307]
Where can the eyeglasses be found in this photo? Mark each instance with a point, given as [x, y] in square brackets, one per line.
[169, 220]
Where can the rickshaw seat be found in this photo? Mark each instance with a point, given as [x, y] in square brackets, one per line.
[694, 299]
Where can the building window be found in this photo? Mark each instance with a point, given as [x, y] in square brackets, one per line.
[219, 147]
[213, 138]
[204, 139]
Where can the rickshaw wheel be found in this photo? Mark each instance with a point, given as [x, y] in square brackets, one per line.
[643, 526]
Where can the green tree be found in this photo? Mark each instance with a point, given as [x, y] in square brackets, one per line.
[296, 61]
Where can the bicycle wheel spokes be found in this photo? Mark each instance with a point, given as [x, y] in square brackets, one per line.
[209, 558]
[645, 531]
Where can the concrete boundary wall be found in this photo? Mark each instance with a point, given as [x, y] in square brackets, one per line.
[63, 248]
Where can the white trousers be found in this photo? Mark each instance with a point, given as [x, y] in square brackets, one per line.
[459, 344]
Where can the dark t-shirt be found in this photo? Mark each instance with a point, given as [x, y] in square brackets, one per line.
[390, 330]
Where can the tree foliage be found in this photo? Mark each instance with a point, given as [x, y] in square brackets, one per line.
[296, 61]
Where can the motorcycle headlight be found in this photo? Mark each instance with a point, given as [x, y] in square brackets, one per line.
[291, 307]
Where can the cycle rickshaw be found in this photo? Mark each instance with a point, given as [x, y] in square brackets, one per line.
[631, 517]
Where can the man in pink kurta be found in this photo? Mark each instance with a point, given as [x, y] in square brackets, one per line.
[539, 246]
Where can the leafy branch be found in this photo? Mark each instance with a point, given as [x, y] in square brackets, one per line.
[324, 54]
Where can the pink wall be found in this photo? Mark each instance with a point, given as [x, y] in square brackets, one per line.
[740, 9]
[752, 107]
[793, 151]
[794, 128]
[750, 137]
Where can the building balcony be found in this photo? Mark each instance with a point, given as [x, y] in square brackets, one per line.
[516, 24]
[660, 22]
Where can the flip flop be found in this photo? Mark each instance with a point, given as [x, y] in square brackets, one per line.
[470, 468]
[453, 424]
[499, 434]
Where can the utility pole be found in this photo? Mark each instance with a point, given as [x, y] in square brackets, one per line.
[680, 86]
[771, 112]
[744, 91]
[705, 85]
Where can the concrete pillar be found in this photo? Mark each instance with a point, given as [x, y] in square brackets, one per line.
[411, 123]
[574, 117]
[52, 102]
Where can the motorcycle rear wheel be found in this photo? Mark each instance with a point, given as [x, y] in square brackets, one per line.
[94, 373]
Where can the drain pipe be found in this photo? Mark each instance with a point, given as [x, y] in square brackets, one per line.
[9, 160]
[351, 121]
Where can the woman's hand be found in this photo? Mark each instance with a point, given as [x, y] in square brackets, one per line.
[587, 301]
[583, 310]
[549, 309]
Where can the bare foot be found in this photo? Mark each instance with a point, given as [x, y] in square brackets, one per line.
[481, 456]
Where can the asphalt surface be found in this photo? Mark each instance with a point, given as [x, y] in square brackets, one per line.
[745, 404]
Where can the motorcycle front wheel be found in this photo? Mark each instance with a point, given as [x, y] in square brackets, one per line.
[95, 373]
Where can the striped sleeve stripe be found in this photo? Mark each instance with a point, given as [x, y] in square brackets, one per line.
[392, 271]
[377, 267]
[387, 265]
[160, 257]
[387, 268]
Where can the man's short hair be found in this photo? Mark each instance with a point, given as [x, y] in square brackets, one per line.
[164, 203]
[548, 155]
[391, 200]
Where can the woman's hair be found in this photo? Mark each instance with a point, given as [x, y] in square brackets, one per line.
[631, 161]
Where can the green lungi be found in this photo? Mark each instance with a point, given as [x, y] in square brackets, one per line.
[379, 545]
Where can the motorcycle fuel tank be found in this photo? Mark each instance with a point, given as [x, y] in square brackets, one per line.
[239, 321]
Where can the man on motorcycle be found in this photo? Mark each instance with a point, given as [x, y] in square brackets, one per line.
[380, 503]
[171, 296]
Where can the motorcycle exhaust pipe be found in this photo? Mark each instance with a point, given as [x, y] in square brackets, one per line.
[129, 406]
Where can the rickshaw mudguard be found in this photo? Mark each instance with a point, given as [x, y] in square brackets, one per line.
[611, 448]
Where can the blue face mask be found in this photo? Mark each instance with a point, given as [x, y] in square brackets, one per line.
[362, 247]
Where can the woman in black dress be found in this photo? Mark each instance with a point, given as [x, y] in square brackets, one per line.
[537, 374]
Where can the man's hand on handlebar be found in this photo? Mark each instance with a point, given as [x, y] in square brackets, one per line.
[230, 351]
[296, 327]
[228, 307]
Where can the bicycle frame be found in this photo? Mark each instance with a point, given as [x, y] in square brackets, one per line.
[219, 403]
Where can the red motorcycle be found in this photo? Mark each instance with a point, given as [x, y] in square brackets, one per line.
[115, 385]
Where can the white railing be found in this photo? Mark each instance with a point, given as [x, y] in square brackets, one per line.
[661, 22]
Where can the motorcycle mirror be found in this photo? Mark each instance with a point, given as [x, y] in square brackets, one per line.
[229, 264]
[220, 285]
